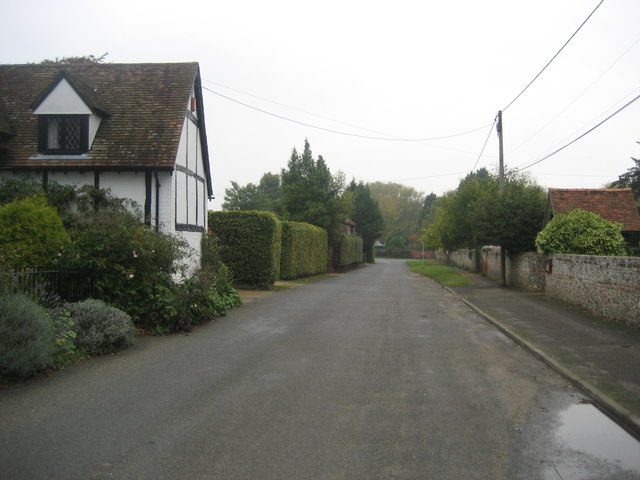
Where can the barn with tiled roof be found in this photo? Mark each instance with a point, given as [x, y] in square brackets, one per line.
[612, 204]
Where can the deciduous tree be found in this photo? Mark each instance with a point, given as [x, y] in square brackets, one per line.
[400, 207]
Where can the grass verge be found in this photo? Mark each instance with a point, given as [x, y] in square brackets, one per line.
[445, 276]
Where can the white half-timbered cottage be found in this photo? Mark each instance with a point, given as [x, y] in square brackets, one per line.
[135, 129]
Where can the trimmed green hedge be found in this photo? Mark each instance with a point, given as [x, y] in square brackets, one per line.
[250, 245]
[350, 251]
[304, 250]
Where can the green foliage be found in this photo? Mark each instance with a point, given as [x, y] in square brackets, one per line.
[311, 194]
[400, 207]
[478, 214]
[250, 245]
[80, 60]
[240, 198]
[135, 265]
[583, 233]
[350, 251]
[428, 210]
[266, 196]
[60, 197]
[31, 233]
[202, 297]
[304, 250]
[26, 337]
[210, 252]
[99, 328]
[67, 352]
[366, 214]
[514, 218]
[396, 246]
[12, 189]
[445, 276]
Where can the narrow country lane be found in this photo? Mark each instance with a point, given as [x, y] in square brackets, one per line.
[374, 374]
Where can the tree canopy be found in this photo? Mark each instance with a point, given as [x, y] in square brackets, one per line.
[631, 179]
[80, 60]
[265, 196]
[477, 214]
[310, 193]
[401, 208]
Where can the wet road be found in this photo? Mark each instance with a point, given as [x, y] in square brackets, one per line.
[375, 374]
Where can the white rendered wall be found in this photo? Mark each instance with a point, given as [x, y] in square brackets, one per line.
[129, 185]
[63, 100]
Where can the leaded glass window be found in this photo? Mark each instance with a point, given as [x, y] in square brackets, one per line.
[63, 133]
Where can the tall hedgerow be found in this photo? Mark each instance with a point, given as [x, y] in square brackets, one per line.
[304, 250]
[250, 245]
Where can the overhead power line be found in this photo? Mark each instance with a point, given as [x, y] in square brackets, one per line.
[578, 138]
[579, 95]
[485, 144]
[554, 57]
[348, 134]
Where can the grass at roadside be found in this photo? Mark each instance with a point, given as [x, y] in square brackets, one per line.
[445, 276]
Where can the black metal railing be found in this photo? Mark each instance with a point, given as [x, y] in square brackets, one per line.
[62, 285]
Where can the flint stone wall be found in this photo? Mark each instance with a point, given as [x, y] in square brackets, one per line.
[605, 286]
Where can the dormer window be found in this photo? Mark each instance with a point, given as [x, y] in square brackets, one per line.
[63, 134]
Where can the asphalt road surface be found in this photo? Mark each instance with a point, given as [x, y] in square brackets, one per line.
[374, 374]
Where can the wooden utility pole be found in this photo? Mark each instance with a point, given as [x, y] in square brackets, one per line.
[503, 272]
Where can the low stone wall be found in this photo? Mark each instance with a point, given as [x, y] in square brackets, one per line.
[605, 286]
[465, 259]
[441, 256]
[525, 271]
[462, 258]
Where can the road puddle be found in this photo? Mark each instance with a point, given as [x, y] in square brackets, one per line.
[593, 447]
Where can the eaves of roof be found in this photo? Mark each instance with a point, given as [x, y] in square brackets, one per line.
[612, 204]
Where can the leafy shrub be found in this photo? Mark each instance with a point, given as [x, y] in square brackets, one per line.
[350, 251]
[26, 337]
[304, 250]
[229, 297]
[583, 233]
[31, 233]
[100, 328]
[135, 265]
[249, 245]
[12, 189]
[67, 351]
[204, 296]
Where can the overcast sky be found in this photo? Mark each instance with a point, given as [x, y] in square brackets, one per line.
[402, 69]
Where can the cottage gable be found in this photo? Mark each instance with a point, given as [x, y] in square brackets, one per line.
[135, 129]
[141, 108]
[62, 99]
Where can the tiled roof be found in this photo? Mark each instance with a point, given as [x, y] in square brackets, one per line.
[612, 204]
[144, 107]
[5, 126]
